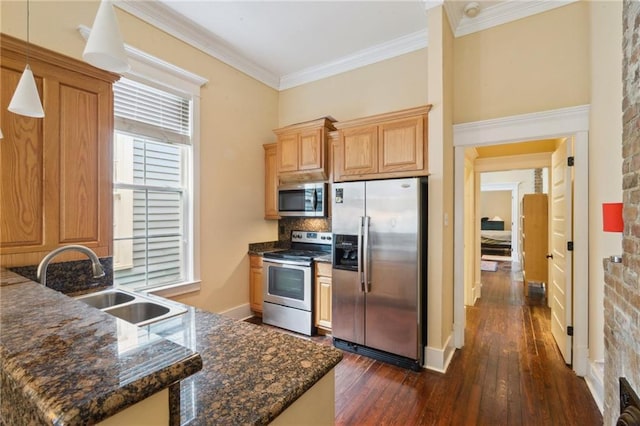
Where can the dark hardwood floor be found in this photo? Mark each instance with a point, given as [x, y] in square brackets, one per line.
[509, 372]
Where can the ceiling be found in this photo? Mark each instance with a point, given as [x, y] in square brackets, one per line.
[520, 148]
[288, 43]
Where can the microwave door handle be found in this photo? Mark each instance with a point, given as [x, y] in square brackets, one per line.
[315, 200]
[359, 254]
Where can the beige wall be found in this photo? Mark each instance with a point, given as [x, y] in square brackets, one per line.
[440, 249]
[237, 115]
[496, 203]
[385, 86]
[529, 65]
[605, 154]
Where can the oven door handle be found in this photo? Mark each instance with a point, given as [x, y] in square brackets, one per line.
[365, 251]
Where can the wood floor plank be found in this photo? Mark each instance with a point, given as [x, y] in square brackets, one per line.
[510, 372]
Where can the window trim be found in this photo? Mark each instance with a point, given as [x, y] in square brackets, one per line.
[163, 75]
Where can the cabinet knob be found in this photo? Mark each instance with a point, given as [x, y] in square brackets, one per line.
[549, 256]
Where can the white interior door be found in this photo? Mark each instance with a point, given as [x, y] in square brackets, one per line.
[561, 267]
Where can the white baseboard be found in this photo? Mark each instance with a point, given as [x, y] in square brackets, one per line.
[476, 291]
[240, 312]
[438, 359]
[580, 359]
[595, 382]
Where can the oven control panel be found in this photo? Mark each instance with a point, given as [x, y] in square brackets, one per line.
[311, 237]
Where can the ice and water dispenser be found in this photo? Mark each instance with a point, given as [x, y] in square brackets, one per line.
[345, 252]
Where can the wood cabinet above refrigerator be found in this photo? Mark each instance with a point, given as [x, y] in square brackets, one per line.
[382, 146]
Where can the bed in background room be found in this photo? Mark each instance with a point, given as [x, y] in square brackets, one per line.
[494, 240]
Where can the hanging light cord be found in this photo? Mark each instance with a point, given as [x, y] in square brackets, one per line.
[28, 41]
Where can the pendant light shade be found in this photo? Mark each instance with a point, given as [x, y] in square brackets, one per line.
[105, 48]
[26, 100]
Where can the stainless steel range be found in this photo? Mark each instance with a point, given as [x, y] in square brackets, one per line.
[288, 281]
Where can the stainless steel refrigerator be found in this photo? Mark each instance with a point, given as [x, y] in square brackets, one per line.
[379, 269]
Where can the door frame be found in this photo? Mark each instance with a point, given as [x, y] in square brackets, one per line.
[570, 122]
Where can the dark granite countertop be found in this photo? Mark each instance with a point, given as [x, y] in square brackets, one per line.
[64, 362]
[250, 373]
[79, 366]
[261, 248]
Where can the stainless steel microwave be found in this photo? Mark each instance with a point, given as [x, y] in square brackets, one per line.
[303, 199]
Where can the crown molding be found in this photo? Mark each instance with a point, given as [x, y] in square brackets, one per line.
[143, 57]
[498, 14]
[377, 53]
[164, 18]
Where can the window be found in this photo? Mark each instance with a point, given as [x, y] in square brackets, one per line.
[152, 202]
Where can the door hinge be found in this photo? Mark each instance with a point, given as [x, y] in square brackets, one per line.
[569, 330]
[571, 161]
[569, 245]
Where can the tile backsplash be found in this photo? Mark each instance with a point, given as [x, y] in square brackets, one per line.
[71, 277]
[288, 224]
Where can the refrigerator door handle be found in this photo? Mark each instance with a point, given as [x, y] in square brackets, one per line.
[359, 254]
[365, 252]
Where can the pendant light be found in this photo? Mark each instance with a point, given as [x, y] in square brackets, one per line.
[105, 48]
[26, 100]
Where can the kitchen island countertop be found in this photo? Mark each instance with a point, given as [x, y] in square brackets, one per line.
[249, 375]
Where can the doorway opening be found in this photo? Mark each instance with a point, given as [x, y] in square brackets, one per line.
[569, 123]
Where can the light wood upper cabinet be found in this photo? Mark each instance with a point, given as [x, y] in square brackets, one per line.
[56, 171]
[402, 146]
[270, 181]
[360, 151]
[382, 146]
[302, 150]
[287, 151]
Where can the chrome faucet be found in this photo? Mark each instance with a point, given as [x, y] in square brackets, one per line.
[96, 267]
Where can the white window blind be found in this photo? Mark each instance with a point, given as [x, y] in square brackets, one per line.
[158, 114]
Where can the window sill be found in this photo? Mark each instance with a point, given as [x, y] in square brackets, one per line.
[176, 289]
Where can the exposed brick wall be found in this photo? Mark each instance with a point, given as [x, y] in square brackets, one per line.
[622, 289]
[537, 181]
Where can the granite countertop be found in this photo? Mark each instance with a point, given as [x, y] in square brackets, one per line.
[250, 373]
[261, 248]
[64, 362]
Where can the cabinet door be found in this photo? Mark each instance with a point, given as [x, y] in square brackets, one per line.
[56, 171]
[401, 145]
[311, 150]
[85, 163]
[255, 283]
[270, 182]
[22, 187]
[323, 302]
[288, 152]
[359, 151]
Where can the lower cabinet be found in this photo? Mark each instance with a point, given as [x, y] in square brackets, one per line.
[255, 283]
[323, 297]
